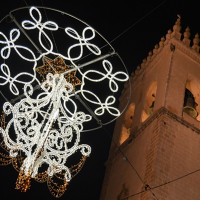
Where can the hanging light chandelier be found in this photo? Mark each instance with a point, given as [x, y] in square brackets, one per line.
[68, 88]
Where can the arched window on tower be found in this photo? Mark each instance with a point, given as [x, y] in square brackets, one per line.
[149, 101]
[191, 104]
[127, 123]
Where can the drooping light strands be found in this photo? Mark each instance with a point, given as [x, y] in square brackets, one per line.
[23, 182]
[35, 136]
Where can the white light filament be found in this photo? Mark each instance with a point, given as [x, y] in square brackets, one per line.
[34, 127]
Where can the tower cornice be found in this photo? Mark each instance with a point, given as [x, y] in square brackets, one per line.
[136, 133]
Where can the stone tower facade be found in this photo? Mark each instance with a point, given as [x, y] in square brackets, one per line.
[155, 151]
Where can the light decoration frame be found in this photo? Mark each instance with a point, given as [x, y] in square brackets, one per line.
[46, 123]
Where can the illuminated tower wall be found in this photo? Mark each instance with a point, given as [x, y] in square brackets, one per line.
[156, 142]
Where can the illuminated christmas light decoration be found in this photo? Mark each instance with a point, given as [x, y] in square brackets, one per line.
[41, 128]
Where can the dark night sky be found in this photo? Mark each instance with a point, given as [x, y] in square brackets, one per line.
[146, 22]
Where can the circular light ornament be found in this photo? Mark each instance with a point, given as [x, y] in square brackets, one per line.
[61, 81]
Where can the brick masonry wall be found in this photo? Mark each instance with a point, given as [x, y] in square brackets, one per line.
[165, 148]
[178, 154]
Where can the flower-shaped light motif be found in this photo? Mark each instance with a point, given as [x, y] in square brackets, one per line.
[37, 24]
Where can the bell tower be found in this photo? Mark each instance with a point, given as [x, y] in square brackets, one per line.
[155, 150]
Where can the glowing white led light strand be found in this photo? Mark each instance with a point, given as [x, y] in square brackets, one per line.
[29, 131]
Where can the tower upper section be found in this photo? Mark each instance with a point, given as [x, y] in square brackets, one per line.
[169, 77]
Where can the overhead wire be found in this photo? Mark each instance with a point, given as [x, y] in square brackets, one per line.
[139, 20]
[25, 2]
[163, 184]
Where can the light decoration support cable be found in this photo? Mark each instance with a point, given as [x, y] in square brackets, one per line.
[44, 127]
